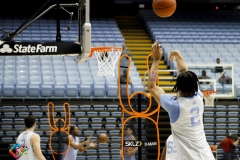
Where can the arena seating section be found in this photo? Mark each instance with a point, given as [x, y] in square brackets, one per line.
[199, 36]
[202, 37]
[60, 76]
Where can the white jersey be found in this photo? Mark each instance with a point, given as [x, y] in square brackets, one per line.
[72, 153]
[26, 151]
[186, 115]
[171, 152]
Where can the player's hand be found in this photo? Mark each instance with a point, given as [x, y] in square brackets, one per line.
[175, 53]
[156, 51]
[89, 139]
[129, 153]
[92, 144]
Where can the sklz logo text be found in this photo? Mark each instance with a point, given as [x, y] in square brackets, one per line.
[18, 48]
[133, 143]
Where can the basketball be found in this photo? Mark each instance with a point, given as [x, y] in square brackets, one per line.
[213, 147]
[102, 138]
[164, 8]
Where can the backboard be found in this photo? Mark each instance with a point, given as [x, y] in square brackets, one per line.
[220, 78]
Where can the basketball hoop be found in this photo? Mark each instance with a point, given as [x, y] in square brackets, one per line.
[107, 58]
[209, 97]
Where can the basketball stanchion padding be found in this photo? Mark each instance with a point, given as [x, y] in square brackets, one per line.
[107, 58]
[209, 96]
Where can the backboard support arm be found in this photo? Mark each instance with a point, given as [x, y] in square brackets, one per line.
[31, 20]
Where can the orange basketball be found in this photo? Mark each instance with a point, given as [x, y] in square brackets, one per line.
[102, 138]
[164, 8]
[213, 147]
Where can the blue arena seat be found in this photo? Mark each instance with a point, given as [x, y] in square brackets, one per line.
[34, 107]
[101, 132]
[19, 127]
[115, 151]
[19, 121]
[233, 107]
[8, 108]
[112, 107]
[9, 86]
[7, 139]
[221, 125]
[221, 119]
[59, 87]
[116, 157]
[34, 86]
[79, 114]
[111, 119]
[96, 126]
[85, 107]
[94, 120]
[91, 157]
[210, 138]
[114, 132]
[7, 121]
[104, 114]
[83, 126]
[98, 107]
[11, 133]
[233, 113]
[9, 114]
[208, 119]
[92, 113]
[81, 158]
[88, 132]
[85, 90]
[222, 132]
[208, 126]
[105, 152]
[110, 126]
[111, 90]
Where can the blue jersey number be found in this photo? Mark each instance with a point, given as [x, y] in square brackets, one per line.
[195, 120]
[171, 147]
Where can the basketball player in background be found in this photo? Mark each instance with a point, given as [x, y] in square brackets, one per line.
[75, 145]
[129, 152]
[169, 151]
[30, 141]
[185, 110]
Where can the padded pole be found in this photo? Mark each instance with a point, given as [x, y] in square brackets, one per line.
[58, 36]
[139, 127]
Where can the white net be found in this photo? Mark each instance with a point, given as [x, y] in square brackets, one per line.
[107, 61]
[209, 99]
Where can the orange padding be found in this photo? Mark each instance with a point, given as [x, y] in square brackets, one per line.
[54, 128]
[133, 113]
[207, 93]
[104, 49]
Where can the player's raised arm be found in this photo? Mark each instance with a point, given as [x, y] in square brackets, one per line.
[155, 90]
[181, 66]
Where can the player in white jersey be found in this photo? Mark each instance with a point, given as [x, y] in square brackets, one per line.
[75, 145]
[185, 110]
[27, 146]
[169, 151]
